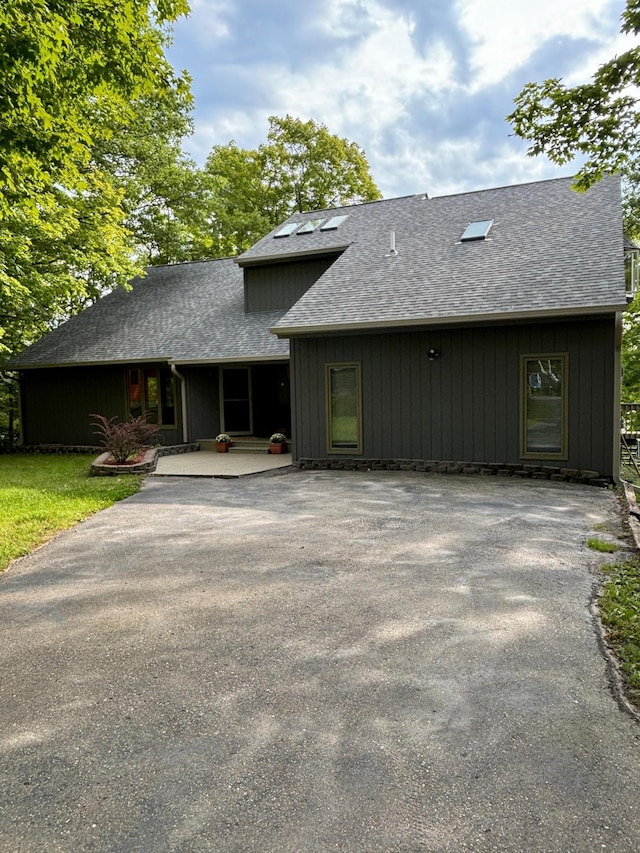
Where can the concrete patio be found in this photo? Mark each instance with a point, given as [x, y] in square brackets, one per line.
[207, 463]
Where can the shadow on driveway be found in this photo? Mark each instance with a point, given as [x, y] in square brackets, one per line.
[316, 661]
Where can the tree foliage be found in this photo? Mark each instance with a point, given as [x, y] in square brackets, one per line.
[70, 69]
[301, 167]
[599, 119]
[72, 73]
[163, 191]
[631, 354]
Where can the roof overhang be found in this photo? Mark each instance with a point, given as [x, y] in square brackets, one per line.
[110, 362]
[449, 320]
[243, 359]
[261, 260]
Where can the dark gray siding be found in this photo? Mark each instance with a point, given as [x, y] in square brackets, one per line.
[57, 404]
[279, 286]
[464, 406]
[203, 401]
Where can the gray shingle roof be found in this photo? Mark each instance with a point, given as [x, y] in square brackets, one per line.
[181, 312]
[551, 251]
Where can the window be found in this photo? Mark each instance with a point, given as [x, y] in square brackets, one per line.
[151, 392]
[544, 405]
[476, 231]
[310, 226]
[344, 421]
[334, 222]
[287, 230]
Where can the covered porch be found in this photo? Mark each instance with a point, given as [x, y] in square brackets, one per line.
[249, 401]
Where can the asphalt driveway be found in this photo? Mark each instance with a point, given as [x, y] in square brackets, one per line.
[316, 661]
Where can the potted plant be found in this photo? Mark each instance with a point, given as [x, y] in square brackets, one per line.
[278, 443]
[223, 442]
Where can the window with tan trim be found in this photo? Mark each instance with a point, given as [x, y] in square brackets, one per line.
[344, 408]
[151, 391]
[544, 395]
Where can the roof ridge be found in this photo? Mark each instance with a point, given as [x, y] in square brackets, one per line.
[424, 195]
[189, 263]
[504, 187]
[357, 204]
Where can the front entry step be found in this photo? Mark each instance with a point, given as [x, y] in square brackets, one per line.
[241, 444]
[249, 445]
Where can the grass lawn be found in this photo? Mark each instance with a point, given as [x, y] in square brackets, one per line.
[41, 495]
[620, 612]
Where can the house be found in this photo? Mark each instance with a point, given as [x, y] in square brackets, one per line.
[473, 329]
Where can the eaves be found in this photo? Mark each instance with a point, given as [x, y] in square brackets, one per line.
[407, 323]
[261, 260]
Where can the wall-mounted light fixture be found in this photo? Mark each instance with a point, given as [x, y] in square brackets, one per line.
[432, 354]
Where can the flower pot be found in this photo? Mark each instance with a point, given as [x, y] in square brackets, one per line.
[222, 446]
[278, 448]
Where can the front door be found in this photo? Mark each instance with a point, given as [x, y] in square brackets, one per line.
[235, 385]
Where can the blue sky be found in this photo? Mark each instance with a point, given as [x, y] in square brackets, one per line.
[423, 86]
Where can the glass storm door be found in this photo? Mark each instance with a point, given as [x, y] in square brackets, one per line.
[236, 400]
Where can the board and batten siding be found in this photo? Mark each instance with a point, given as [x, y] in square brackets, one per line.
[276, 287]
[203, 401]
[464, 405]
[57, 404]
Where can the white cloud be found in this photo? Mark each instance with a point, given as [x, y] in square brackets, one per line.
[372, 85]
[207, 21]
[423, 127]
[506, 33]
[454, 166]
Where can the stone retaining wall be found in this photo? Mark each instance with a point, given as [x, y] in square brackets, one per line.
[490, 469]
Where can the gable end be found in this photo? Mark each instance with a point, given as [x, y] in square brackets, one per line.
[276, 287]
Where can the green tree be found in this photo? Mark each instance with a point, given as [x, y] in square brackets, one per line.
[71, 75]
[75, 76]
[599, 120]
[631, 354]
[164, 192]
[308, 168]
[301, 167]
[70, 69]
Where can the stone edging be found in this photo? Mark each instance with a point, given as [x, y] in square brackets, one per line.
[631, 522]
[100, 468]
[615, 677]
[499, 469]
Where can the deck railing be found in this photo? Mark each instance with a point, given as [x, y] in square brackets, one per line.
[630, 436]
[630, 418]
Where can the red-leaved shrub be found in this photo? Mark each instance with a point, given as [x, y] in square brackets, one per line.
[127, 438]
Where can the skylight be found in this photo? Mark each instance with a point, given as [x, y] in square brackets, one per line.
[334, 222]
[476, 230]
[287, 229]
[310, 226]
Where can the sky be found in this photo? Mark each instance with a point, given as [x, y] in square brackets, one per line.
[422, 86]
